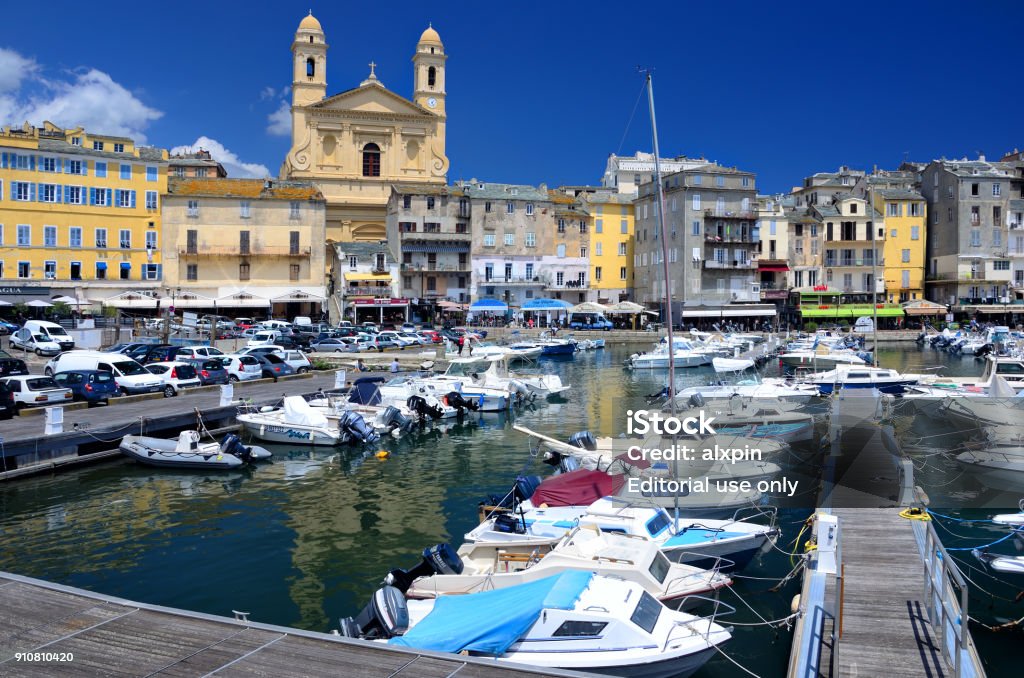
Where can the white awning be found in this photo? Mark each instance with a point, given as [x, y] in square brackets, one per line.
[727, 312]
[134, 300]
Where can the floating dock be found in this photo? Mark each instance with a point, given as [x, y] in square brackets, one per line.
[77, 632]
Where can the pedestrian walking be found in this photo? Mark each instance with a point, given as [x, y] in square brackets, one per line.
[462, 340]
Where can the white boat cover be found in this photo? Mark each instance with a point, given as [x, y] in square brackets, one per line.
[732, 364]
[999, 388]
[298, 412]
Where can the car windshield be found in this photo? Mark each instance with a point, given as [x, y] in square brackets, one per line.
[248, 360]
[39, 383]
[57, 331]
[129, 368]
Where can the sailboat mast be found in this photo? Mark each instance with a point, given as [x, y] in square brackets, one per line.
[659, 216]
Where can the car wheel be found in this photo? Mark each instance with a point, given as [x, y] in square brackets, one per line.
[48, 372]
[122, 392]
[169, 391]
[39, 352]
[232, 379]
[303, 370]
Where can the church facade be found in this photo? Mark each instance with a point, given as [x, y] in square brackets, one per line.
[356, 144]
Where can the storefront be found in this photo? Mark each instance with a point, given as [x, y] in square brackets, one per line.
[392, 310]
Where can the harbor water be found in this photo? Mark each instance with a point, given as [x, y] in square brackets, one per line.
[307, 538]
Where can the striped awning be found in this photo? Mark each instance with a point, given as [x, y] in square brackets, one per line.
[368, 277]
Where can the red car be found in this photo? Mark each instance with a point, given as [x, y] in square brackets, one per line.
[433, 335]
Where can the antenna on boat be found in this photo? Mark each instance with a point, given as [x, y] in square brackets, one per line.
[659, 216]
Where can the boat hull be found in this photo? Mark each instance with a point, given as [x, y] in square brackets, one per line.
[674, 667]
[293, 435]
[895, 387]
[146, 451]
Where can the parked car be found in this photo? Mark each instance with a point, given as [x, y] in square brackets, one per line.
[395, 338]
[9, 365]
[210, 370]
[40, 344]
[261, 350]
[175, 376]
[125, 347]
[433, 336]
[407, 327]
[297, 360]
[159, 353]
[242, 367]
[36, 391]
[341, 345]
[415, 338]
[7, 327]
[263, 338]
[273, 366]
[275, 325]
[130, 376]
[370, 328]
[92, 386]
[189, 352]
[52, 331]
[244, 323]
[7, 405]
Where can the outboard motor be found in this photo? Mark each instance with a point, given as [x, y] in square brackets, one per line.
[525, 487]
[456, 400]
[568, 464]
[438, 559]
[552, 458]
[394, 419]
[423, 408]
[358, 428]
[509, 524]
[584, 440]
[232, 445]
[385, 616]
[697, 400]
[520, 390]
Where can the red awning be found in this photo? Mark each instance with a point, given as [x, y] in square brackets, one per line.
[773, 269]
[576, 488]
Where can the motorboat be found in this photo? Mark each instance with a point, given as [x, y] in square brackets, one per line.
[1009, 568]
[499, 375]
[997, 467]
[748, 385]
[845, 377]
[552, 346]
[574, 620]
[188, 452]
[295, 423]
[402, 389]
[683, 354]
[463, 375]
[821, 357]
[561, 502]
[985, 413]
[482, 566]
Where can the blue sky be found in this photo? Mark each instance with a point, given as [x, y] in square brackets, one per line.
[543, 92]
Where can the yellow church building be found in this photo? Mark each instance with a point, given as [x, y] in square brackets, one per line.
[355, 144]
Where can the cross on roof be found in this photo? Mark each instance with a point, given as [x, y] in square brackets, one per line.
[372, 66]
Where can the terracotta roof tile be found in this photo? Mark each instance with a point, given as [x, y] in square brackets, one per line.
[261, 189]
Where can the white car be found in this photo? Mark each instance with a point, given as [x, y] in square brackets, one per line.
[263, 338]
[275, 325]
[298, 360]
[415, 338]
[397, 338]
[175, 376]
[262, 348]
[241, 367]
[27, 340]
[199, 352]
[408, 327]
[33, 390]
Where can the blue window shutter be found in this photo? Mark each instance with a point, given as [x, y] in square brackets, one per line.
[85, 168]
[3, 160]
[108, 197]
[60, 193]
[32, 192]
[131, 198]
[32, 162]
[61, 164]
[92, 196]
[159, 271]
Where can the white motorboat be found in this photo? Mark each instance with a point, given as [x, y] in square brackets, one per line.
[462, 376]
[684, 354]
[574, 620]
[499, 375]
[402, 389]
[294, 423]
[482, 566]
[821, 357]
[984, 413]
[1010, 568]
[188, 452]
[845, 377]
[1000, 467]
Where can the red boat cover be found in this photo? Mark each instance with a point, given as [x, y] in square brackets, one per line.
[576, 488]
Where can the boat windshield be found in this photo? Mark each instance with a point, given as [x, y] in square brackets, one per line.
[466, 369]
[646, 613]
[659, 567]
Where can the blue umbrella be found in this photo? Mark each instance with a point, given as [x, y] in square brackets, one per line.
[546, 305]
[488, 306]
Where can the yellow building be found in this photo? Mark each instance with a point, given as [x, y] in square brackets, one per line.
[611, 245]
[904, 252]
[79, 213]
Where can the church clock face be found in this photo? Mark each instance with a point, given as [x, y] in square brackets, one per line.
[432, 102]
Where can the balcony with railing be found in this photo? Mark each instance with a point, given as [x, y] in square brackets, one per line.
[427, 267]
[252, 251]
[567, 285]
[367, 291]
[734, 264]
[746, 215]
[437, 236]
[510, 280]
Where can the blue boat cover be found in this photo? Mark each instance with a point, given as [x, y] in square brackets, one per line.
[491, 621]
[696, 537]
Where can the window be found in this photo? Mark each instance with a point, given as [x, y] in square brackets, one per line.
[126, 172]
[97, 145]
[150, 200]
[489, 240]
[598, 248]
[243, 271]
[597, 273]
[293, 209]
[293, 244]
[892, 209]
[997, 190]
[853, 208]
[193, 208]
[50, 270]
[771, 227]
[997, 238]
[531, 239]
[406, 201]
[73, 195]
[997, 215]
[697, 179]
[975, 237]
[293, 272]
[243, 242]
[125, 198]
[243, 207]
[745, 181]
[151, 271]
[510, 208]
[696, 202]
[529, 209]
[75, 236]
[561, 225]
[624, 226]
[48, 192]
[695, 228]
[583, 253]
[510, 238]
[975, 214]
[371, 160]
[905, 256]
[24, 269]
[191, 241]
[719, 180]
[24, 235]
[75, 268]
[192, 272]
[430, 203]
[622, 273]
[21, 190]
[49, 236]
[431, 77]
[101, 169]
[126, 270]
[151, 174]
[151, 240]
[599, 226]
[561, 251]
[583, 226]
[487, 207]
[101, 238]
[975, 190]
[119, 148]
[1001, 265]
[916, 209]
[200, 172]
[125, 239]
[622, 249]
[47, 164]
[76, 141]
[647, 611]
[101, 270]
[560, 278]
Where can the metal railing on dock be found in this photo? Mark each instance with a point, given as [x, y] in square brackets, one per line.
[945, 597]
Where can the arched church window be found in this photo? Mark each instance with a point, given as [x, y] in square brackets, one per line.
[371, 160]
[310, 67]
[431, 76]
[311, 39]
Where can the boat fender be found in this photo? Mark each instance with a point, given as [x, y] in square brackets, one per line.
[794, 605]
[382, 454]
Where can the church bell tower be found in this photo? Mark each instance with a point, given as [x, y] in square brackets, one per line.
[429, 90]
[309, 69]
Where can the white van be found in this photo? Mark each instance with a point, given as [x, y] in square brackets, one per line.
[275, 325]
[51, 331]
[131, 377]
[302, 321]
[263, 338]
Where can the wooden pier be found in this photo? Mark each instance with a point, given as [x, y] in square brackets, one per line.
[80, 633]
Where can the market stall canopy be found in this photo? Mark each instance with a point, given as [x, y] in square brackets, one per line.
[589, 307]
[242, 299]
[923, 307]
[488, 306]
[546, 305]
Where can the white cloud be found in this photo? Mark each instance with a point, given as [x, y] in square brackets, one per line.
[89, 99]
[232, 163]
[279, 123]
[267, 92]
[13, 69]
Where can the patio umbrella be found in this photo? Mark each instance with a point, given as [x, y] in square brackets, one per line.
[70, 301]
[546, 305]
[589, 307]
[5, 303]
[626, 307]
[38, 303]
[488, 306]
